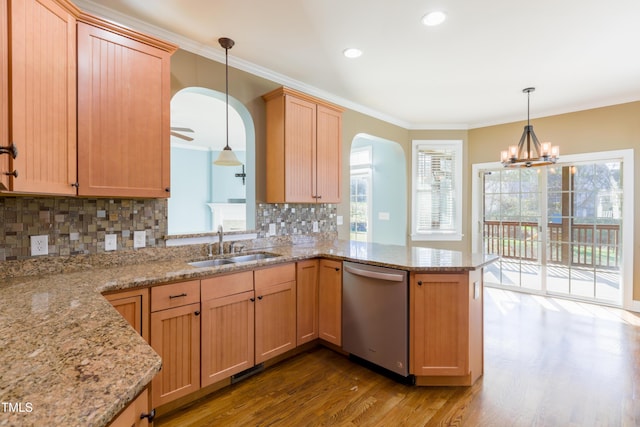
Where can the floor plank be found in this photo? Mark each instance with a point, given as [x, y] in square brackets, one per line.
[548, 362]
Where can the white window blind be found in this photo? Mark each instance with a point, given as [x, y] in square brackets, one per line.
[437, 179]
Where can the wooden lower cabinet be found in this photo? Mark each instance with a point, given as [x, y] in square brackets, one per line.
[134, 307]
[446, 327]
[175, 336]
[131, 415]
[330, 301]
[227, 343]
[275, 311]
[307, 301]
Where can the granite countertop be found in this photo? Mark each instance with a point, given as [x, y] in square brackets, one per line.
[68, 358]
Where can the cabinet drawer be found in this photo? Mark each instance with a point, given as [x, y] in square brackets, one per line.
[175, 295]
[274, 275]
[230, 284]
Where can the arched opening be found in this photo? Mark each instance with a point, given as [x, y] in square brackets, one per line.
[378, 191]
[204, 195]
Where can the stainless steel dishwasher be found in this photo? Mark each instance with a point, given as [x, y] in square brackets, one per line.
[375, 315]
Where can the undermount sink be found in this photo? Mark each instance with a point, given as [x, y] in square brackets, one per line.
[253, 257]
[211, 262]
[233, 259]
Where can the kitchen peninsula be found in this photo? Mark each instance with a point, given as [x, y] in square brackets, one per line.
[68, 358]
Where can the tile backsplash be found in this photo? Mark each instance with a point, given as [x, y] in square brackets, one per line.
[76, 226]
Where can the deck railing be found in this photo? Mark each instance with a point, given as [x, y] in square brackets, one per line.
[593, 245]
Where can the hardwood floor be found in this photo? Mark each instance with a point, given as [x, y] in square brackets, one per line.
[548, 362]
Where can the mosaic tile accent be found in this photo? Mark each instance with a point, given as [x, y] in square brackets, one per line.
[296, 219]
[78, 226]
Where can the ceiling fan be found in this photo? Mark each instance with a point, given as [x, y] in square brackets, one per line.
[175, 131]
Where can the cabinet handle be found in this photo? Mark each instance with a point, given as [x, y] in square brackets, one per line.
[197, 313]
[337, 269]
[252, 299]
[419, 282]
[10, 149]
[260, 297]
[177, 296]
[14, 173]
[151, 415]
[75, 184]
[168, 189]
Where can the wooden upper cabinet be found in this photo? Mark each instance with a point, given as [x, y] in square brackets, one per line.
[304, 148]
[123, 112]
[42, 111]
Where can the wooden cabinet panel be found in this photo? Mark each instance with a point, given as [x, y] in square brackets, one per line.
[130, 416]
[222, 286]
[175, 295]
[123, 115]
[275, 311]
[43, 96]
[304, 148]
[175, 336]
[134, 307]
[329, 155]
[439, 324]
[227, 336]
[307, 301]
[4, 94]
[330, 301]
[300, 151]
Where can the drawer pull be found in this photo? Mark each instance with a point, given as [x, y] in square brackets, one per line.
[12, 150]
[151, 415]
[177, 296]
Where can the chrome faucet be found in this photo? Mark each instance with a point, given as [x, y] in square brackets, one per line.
[220, 243]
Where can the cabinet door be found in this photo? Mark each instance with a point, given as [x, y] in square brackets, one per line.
[227, 336]
[123, 115]
[307, 301]
[329, 155]
[330, 301]
[439, 325]
[130, 416]
[43, 96]
[4, 94]
[134, 307]
[275, 311]
[300, 150]
[175, 336]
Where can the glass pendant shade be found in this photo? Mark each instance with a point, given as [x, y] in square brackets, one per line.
[227, 158]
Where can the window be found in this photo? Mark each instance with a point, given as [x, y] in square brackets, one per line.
[437, 190]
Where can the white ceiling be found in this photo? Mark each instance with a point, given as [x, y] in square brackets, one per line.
[468, 72]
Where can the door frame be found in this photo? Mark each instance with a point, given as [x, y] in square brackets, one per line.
[627, 245]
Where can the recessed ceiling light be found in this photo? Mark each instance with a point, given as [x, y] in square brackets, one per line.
[352, 52]
[434, 18]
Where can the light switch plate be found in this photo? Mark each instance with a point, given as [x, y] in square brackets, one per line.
[110, 242]
[39, 245]
[272, 229]
[340, 220]
[139, 239]
[384, 216]
[315, 226]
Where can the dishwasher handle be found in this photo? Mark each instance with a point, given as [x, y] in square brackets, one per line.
[391, 277]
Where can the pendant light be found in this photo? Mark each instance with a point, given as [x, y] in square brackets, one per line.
[529, 152]
[227, 157]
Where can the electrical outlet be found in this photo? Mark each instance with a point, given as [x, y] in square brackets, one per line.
[272, 229]
[110, 242]
[340, 220]
[139, 239]
[39, 245]
[315, 226]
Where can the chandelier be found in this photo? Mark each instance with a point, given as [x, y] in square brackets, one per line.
[529, 152]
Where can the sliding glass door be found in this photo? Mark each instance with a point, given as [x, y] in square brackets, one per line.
[557, 229]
